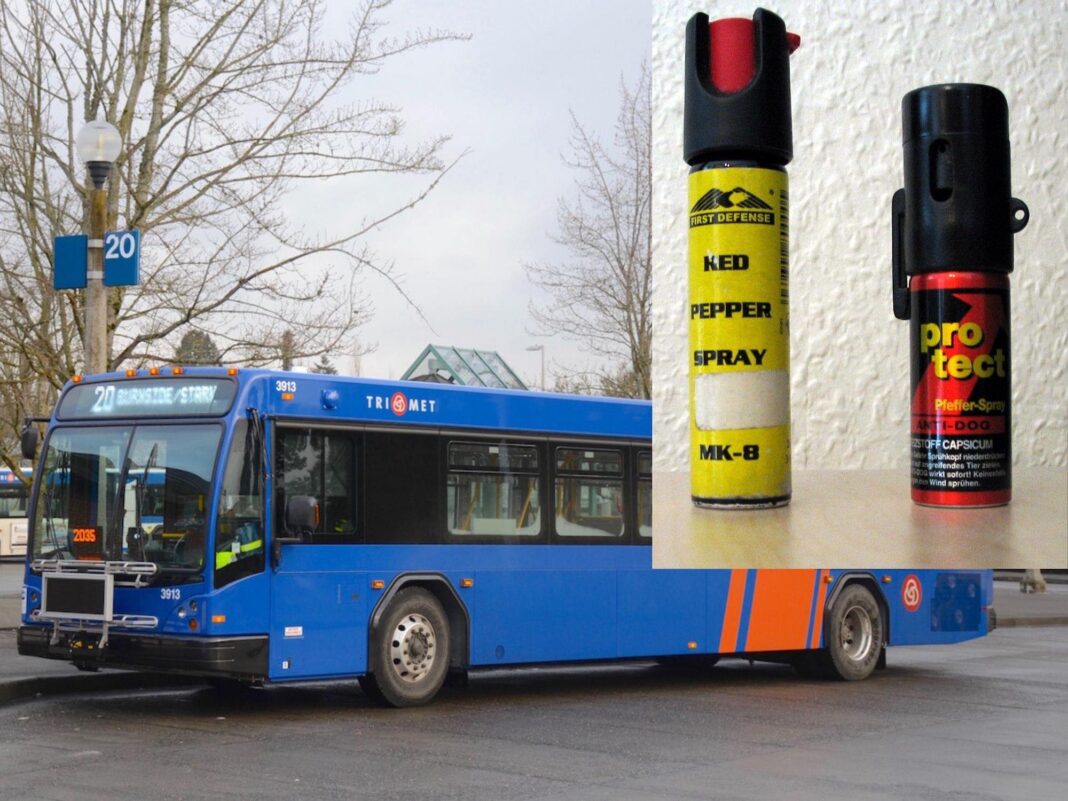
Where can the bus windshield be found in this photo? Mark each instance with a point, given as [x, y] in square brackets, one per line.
[137, 493]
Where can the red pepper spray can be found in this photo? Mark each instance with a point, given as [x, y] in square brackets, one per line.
[953, 225]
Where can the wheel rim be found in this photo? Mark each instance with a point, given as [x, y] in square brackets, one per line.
[412, 648]
[855, 635]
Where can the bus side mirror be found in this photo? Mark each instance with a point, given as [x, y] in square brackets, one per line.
[302, 514]
[29, 441]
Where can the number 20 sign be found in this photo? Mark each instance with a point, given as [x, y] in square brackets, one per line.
[122, 258]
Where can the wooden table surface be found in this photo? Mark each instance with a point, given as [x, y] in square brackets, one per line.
[856, 518]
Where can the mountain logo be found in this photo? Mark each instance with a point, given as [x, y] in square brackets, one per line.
[736, 198]
[737, 205]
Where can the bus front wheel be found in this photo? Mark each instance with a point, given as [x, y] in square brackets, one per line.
[410, 650]
[855, 634]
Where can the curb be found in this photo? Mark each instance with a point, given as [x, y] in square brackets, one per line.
[31, 687]
[1031, 622]
[1014, 578]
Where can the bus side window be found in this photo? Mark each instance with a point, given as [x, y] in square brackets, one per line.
[589, 492]
[492, 490]
[239, 526]
[402, 488]
[319, 464]
[645, 494]
[13, 501]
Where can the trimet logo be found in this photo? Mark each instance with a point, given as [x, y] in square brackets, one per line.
[734, 206]
[400, 404]
[911, 593]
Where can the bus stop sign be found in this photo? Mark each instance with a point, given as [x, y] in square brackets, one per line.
[70, 257]
[122, 258]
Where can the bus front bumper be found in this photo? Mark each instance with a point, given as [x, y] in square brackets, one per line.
[236, 657]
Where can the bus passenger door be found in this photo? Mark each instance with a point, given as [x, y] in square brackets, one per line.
[316, 614]
[318, 600]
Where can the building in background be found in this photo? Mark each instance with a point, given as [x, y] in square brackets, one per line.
[445, 364]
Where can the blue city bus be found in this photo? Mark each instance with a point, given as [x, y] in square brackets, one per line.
[317, 527]
[14, 498]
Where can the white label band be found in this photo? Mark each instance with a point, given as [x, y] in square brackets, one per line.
[759, 399]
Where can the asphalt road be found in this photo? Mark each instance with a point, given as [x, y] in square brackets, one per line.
[11, 578]
[983, 720]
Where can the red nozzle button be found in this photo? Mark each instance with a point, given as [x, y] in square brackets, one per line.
[732, 60]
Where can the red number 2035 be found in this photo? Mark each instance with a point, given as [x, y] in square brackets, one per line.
[85, 535]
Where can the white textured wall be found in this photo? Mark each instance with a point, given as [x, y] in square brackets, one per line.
[849, 353]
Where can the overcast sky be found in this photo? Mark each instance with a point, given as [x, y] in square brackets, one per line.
[504, 96]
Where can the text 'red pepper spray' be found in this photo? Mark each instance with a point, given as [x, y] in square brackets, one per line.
[737, 140]
[953, 225]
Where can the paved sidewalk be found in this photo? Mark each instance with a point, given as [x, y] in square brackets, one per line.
[1015, 608]
[25, 677]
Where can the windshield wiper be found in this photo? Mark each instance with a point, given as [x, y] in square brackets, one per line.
[142, 487]
[258, 435]
[62, 463]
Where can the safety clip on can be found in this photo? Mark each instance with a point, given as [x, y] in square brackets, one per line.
[738, 140]
[953, 225]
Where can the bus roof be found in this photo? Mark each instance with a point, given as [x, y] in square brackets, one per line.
[319, 397]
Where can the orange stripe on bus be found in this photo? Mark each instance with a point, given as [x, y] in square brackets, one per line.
[732, 615]
[781, 611]
[817, 626]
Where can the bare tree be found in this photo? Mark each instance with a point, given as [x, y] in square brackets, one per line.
[287, 349]
[223, 107]
[602, 297]
[623, 383]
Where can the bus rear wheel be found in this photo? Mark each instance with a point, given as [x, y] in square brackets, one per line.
[855, 635]
[410, 650]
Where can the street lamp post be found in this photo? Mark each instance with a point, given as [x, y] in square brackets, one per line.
[542, 349]
[98, 144]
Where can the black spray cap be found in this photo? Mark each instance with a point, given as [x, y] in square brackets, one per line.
[738, 89]
[956, 211]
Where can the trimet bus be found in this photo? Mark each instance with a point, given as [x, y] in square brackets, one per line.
[14, 496]
[321, 527]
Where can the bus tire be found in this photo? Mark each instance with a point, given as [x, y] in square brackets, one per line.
[410, 650]
[855, 634]
[370, 689]
[810, 665]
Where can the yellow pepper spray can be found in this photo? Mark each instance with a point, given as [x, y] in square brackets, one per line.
[738, 139]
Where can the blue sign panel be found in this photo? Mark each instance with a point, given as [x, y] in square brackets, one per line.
[122, 258]
[70, 260]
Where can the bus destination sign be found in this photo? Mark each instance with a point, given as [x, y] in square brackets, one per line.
[162, 397]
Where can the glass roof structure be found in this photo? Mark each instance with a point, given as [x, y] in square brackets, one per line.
[466, 366]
